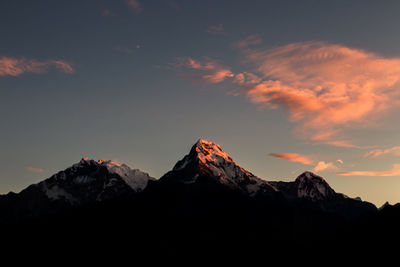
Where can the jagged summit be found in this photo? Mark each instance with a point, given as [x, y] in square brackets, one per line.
[207, 159]
[209, 151]
[204, 153]
[87, 161]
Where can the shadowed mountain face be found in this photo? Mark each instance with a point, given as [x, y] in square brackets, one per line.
[206, 198]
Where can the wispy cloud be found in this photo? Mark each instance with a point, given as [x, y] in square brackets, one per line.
[380, 152]
[215, 29]
[325, 87]
[36, 170]
[211, 71]
[17, 66]
[395, 171]
[249, 41]
[307, 160]
[293, 157]
[135, 6]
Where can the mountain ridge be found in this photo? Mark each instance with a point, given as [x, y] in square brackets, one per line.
[206, 167]
[206, 198]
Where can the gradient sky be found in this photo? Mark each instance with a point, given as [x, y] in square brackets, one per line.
[282, 86]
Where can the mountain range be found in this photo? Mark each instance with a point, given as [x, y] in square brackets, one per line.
[206, 199]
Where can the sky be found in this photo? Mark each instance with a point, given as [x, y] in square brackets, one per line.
[282, 86]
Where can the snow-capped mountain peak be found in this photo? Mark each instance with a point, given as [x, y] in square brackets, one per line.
[94, 180]
[207, 159]
[312, 186]
[210, 152]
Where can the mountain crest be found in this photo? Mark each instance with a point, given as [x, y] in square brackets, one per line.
[207, 160]
[93, 180]
[312, 186]
[208, 151]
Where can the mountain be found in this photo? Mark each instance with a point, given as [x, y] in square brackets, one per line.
[208, 163]
[205, 201]
[84, 183]
[308, 186]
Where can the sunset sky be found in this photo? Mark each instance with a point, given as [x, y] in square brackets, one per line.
[282, 86]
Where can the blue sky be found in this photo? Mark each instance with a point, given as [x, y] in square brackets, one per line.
[314, 83]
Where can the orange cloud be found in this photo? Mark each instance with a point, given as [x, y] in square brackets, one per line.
[293, 157]
[377, 152]
[395, 171]
[135, 6]
[37, 170]
[17, 66]
[322, 166]
[340, 161]
[325, 87]
[214, 72]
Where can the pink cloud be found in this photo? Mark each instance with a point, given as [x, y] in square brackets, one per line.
[325, 88]
[322, 166]
[36, 170]
[17, 66]
[135, 6]
[395, 171]
[247, 78]
[293, 157]
[380, 152]
[212, 71]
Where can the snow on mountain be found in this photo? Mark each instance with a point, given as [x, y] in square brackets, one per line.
[308, 186]
[207, 159]
[89, 180]
[314, 187]
[135, 178]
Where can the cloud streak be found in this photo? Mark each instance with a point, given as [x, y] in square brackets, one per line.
[211, 71]
[17, 66]
[293, 157]
[249, 41]
[380, 152]
[395, 171]
[36, 170]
